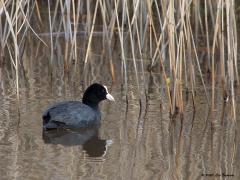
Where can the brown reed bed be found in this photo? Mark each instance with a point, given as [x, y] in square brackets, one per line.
[171, 34]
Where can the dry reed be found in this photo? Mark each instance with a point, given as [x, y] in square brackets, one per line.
[168, 32]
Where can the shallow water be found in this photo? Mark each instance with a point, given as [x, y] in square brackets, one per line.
[137, 138]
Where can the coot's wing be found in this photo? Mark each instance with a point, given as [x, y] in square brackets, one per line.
[71, 114]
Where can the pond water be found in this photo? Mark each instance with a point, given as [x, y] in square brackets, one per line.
[137, 138]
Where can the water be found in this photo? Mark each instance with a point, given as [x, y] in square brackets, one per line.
[137, 138]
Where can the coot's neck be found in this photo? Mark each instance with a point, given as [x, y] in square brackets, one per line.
[90, 102]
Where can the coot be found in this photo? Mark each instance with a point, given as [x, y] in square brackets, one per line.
[76, 114]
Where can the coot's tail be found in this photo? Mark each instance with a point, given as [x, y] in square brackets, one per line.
[46, 118]
[49, 124]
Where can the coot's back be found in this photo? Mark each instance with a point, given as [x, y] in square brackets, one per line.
[70, 114]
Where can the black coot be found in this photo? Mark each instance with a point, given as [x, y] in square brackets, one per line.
[76, 114]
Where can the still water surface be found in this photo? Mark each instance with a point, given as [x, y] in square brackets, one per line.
[136, 140]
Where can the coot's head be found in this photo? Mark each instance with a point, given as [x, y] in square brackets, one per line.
[96, 93]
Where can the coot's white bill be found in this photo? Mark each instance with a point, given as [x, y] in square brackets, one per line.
[110, 97]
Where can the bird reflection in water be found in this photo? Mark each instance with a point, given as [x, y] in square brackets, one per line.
[88, 138]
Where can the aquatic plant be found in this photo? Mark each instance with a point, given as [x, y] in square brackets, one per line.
[184, 39]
